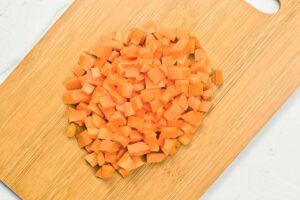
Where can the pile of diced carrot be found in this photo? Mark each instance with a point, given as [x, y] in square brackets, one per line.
[137, 96]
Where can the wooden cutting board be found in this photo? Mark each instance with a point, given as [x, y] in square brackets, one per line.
[258, 53]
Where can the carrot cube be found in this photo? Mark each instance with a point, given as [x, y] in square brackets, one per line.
[196, 90]
[218, 77]
[155, 75]
[173, 113]
[138, 149]
[193, 117]
[91, 159]
[135, 122]
[86, 61]
[155, 157]
[83, 139]
[106, 101]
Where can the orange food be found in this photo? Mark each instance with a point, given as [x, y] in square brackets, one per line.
[218, 77]
[137, 96]
[91, 159]
[138, 149]
[155, 157]
[73, 84]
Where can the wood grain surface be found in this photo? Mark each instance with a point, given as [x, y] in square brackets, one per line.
[258, 53]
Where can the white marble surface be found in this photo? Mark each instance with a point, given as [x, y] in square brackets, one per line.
[269, 168]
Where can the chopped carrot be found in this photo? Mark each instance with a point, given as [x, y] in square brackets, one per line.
[138, 149]
[182, 86]
[131, 51]
[150, 85]
[187, 128]
[96, 72]
[110, 157]
[199, 54]
[113, 79]
[136, 103]
[121, 153]
[131, 72]
[91, 159]
[205, 106]
[106, 69]
[95, 109]
[124, 173]
[179, 73]
[104, 133]
[169, 146]
[207, 94]
[185, 138]
[145, 68]
[126, 130]
[113, 44]
[108, 112]
[138, 161]
[152, 142]
[120, 138]
[102, 51]
[108, 146]
[193, 117]
[93, 133]
[168, 132]
[183, 102]
[125, 89]
[135, 136]
[194, 103]
[75, 97]
[138, 95]
[168, 33]
[83, 139]
[113, 56]
[86, 61]
[105, 172]
[98, 121]
[118, 119]
[100, 159]
[116, 97]
[173, 112]
[218, 77]
[196, 89]
[88, 148]
[145, 53]
[126, 162]
[88, 88]
[155, 75]
[71, 131]
[135, 122]
[77, 115]
[73, 84]
[78, 71]
[138, 87]
[129, 111]
[155, 157]
[106, 101]
[148, 95]
[137, 36]
[95, 145]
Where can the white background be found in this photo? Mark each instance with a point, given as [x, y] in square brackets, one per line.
[268, 169]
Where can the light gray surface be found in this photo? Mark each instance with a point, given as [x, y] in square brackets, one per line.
[267, 169]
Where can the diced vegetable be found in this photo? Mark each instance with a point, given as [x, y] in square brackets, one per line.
[137, 96]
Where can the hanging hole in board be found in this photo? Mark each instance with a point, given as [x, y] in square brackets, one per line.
[265, 6]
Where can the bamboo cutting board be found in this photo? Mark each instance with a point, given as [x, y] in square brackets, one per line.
[258, 53]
